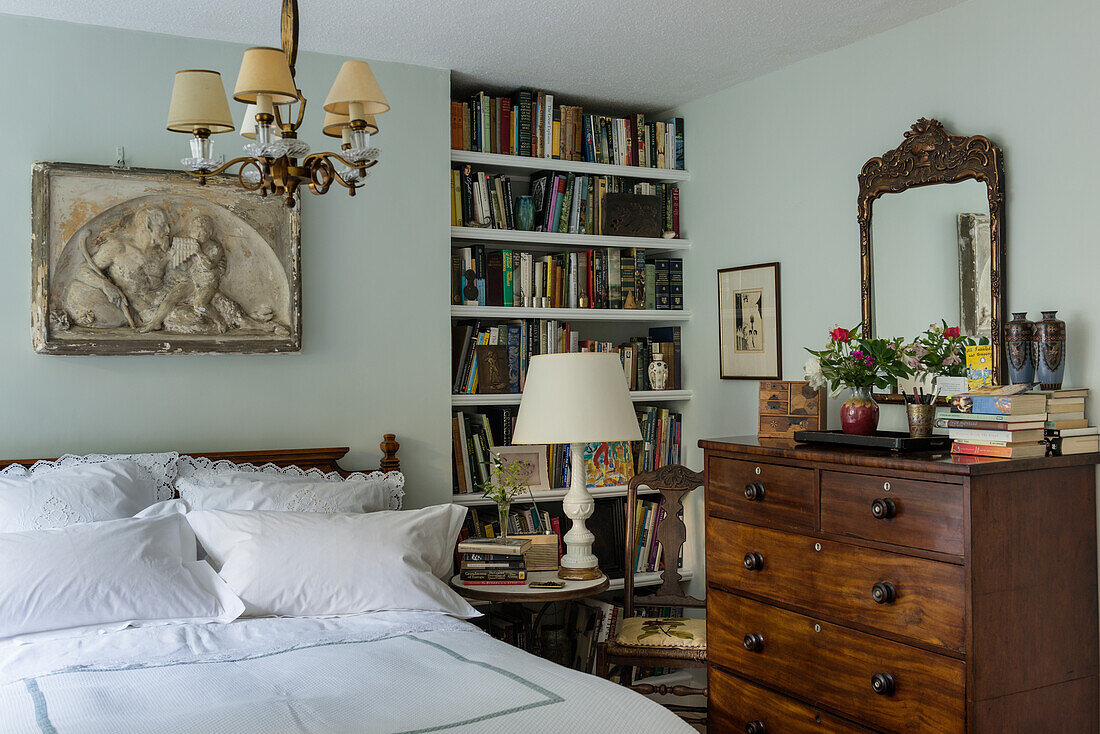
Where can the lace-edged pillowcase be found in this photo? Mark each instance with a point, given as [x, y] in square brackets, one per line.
[223, 485]
[156, 471]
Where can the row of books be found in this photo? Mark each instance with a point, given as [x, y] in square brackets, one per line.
[493, 561]
[528, 123]
[647, 552]
[660, 445]
[600, 278]
[569, 203]
[1022, 425]
[493, 360]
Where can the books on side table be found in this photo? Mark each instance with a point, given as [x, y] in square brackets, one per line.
[1024, 425]
[493, 561]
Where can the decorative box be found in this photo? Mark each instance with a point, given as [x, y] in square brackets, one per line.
[786, 407]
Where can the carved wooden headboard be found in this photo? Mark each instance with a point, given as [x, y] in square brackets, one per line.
[324, 458]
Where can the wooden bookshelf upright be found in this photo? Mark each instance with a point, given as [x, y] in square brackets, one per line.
[610, 322]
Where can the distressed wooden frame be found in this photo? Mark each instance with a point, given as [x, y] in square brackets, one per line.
[929, 155]
[158, 342]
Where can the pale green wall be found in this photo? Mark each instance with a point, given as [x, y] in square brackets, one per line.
[774, 164]
[375, 330]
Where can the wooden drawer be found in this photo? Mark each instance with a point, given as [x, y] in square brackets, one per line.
[735, 704]
[837, 579]
[835, 666]
[775, 398]
[928, 515]
[787, 498]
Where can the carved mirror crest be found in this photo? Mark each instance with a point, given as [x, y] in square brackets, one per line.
[924, 241]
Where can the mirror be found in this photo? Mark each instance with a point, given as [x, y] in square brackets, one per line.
[934, 248]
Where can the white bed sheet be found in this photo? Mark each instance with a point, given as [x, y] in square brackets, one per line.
[380, 672]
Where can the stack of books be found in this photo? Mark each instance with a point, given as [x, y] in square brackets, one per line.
[493, 561]
[528, 123]
[1067, 429]
[1002, 426]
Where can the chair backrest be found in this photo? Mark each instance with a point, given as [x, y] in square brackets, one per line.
[673, 482]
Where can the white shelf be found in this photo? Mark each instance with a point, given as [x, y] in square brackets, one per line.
[556, 240]
[526, 164]
[648, 579]
[638, 396]
[474, 499]
[567, 314]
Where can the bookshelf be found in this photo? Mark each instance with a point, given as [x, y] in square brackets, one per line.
[614, 325]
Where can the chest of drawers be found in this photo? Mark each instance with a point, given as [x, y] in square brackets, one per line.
[862, 592]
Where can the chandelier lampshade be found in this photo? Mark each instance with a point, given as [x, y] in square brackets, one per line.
[356, 92]
[199, 103]
[335, 124]
[264, 71]
[248, 124]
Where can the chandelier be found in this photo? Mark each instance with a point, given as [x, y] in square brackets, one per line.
[266, 85]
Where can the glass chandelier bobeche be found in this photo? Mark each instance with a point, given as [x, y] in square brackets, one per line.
[266, 85]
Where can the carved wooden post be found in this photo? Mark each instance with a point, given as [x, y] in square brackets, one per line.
[389, 447]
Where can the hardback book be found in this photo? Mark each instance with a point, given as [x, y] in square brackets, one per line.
[1028, 451]
[489, 558]
[494, 574]
[1066, 432]
[1028, 404]
[998, 422]
[962, 434]
[500, 582]
[1067, 445]
[499, 546]
[518, 565]
[492, 369]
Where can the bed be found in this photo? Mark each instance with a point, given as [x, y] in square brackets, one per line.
[383, 671]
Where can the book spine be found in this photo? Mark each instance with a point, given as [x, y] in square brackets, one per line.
[662, 297]
[676, 284]
[469, 217]
[676, 211]
[509, 202]
[548, 127]
[456, 125]
[973, 425]
[468, 582]
[973, 449]
[508, 266]
[513, 358]
[494, 575]
[678, 123]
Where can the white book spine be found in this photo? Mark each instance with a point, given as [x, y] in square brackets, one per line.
[548, 128]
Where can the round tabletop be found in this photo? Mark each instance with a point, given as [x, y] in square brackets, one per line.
[524, 593]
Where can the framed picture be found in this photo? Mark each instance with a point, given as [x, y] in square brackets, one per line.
[142, 261]
[534, 456]
[748, 323]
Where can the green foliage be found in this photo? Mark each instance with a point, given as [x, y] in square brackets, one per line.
[939, 350]
[854, 361]
[508, 480]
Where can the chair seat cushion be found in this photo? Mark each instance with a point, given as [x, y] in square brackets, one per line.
[668, 632]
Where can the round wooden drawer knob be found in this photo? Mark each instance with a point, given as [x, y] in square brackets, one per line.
[754, 642]
[755, 727]
[754, 561]
[754, 492]
[884, 508]
[883, 593]
[882, 684]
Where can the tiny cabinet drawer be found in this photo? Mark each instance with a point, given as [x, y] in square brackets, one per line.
[739, 706]
[911, 597]
[775, 398]
[883, 684]
[904, 512]
[761, 493]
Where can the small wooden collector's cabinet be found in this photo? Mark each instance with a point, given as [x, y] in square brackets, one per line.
[786, 407]
[860, 592]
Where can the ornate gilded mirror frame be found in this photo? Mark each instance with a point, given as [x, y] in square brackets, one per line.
[929, 155]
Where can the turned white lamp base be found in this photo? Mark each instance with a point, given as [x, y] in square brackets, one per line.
[578, 563]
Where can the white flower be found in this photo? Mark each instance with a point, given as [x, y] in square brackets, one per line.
[813, 374]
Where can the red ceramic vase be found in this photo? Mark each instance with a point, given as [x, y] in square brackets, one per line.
[859, 414]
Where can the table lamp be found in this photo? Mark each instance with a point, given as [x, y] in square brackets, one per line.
[576, 398]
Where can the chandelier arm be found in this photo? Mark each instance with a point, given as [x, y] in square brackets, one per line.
[301, 109]
[337, 156]
[223, 167]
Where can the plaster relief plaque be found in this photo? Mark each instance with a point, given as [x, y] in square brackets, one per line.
[141, 261]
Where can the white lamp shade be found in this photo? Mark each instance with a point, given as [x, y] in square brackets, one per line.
[198, 101]
[264, 70]
[570, 398]
[355, 85]
[335, 124]
[248, 124]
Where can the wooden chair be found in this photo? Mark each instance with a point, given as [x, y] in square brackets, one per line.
[664, 644]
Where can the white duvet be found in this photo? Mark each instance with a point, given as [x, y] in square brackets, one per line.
[380, 672]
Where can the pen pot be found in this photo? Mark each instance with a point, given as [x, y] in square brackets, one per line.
[920, 420]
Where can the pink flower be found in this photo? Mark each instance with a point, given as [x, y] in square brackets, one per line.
[952, 358]
[839, 334]
[951, 332]
[910, 362]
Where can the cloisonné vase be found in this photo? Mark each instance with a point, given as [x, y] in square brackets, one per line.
[1050, 351]
[859, 413]
[1019, 335]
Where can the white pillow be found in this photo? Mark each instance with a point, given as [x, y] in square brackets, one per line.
[82, 493]
[286, 493]
[207, 471]
[159, 469]
[305, 564]
[119, 571]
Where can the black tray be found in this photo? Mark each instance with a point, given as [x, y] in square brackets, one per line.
[889, 440]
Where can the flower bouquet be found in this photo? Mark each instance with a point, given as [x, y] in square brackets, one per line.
[858, 363]
[940, 351]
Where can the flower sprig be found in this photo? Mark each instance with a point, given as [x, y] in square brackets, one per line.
[939, 350]
[509, 479]
[854, 361]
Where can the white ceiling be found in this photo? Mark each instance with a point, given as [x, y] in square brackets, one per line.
[644, 54]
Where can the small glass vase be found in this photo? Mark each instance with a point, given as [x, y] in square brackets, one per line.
[859, 413]
[502, 516]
